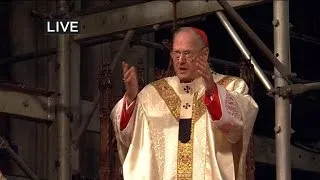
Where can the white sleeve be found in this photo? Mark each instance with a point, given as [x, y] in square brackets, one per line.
[235, 105]
[125, 135]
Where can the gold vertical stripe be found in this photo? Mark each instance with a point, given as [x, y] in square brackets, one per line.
[173, 102]
[200, 109]
[185, 150]
[170, 97]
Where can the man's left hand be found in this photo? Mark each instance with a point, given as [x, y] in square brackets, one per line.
[205, 72]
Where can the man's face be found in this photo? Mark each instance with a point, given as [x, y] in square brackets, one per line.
[186, 51]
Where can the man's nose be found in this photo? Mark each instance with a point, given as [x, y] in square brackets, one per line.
[182, 58]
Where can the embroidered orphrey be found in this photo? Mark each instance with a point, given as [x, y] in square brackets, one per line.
[173, 102]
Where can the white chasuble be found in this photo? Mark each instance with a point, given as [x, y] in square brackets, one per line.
[151, 148]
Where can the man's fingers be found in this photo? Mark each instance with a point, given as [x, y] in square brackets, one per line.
[203, 70]
[203, 62]
[124, 68]
[202, 67]
[203, 74]
[129, 72]
[135, 70]
[123, 63]
[130, 78]
[201, 59]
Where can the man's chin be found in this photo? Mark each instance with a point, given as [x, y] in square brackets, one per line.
[184, 78]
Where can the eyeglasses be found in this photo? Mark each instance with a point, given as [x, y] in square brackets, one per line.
[189, 55]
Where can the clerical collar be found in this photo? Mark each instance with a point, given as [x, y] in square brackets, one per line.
[191, 87]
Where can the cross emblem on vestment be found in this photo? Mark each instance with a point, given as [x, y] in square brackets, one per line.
[187, 89]
[186, 106]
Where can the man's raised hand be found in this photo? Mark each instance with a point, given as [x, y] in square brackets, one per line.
[205, 72]
[130, 81]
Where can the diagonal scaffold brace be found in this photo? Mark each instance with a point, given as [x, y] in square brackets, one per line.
[284, 91]
[24, 167]
[84, 124]
[244, 50]
[256, 40]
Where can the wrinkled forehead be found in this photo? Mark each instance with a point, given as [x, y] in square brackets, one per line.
[185, 40]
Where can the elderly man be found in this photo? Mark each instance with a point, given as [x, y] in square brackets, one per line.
[194, 125]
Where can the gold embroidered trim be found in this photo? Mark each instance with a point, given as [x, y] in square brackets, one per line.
[169, 96]
[200, 109]
[185, 150]
[226, 80]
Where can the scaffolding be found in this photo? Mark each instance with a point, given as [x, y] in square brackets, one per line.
[102, 27]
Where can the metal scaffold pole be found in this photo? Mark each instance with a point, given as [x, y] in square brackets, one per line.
[244, 50]
[282, 104]
[63, 120]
